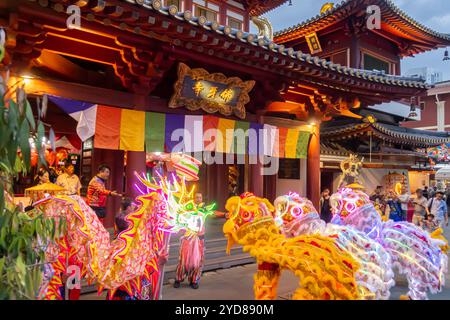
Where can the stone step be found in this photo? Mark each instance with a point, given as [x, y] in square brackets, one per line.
[214, 264]
[215, 258]
[210, 253]
[210, 243]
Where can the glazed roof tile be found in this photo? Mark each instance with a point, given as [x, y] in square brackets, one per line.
[338, 13]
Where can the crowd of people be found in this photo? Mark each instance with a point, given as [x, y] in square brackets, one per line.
[429, 206]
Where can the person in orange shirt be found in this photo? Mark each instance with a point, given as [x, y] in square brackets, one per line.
[97, 193]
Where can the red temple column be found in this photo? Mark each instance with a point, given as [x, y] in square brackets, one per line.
[256, 183]
[135, 163]
[313, 162]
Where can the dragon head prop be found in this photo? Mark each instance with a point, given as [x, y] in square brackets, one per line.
[246, 213]
[294, 213]
[178, 211]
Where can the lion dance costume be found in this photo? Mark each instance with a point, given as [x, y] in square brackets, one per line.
[324, 269]
[413, 251]
[297, 216]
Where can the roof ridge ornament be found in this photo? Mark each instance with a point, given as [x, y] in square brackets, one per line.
[265, 29]
[326, 7]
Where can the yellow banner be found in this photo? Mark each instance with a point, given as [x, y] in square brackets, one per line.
[132, 130]
[225, 130]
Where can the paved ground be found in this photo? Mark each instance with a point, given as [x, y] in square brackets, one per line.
[237, 284]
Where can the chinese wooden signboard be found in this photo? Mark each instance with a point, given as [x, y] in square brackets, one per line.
[198, 89]
[313, 43]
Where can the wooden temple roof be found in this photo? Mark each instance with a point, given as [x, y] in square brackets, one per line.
[395, 24]
[260, 7]
[387, 132]
[143, 39]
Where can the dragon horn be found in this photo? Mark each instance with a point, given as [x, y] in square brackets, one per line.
[146, 183]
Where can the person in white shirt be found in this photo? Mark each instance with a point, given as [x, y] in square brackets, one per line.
[404, 199]
[69, 181]
[438, 208]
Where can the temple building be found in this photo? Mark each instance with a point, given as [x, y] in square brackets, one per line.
[120, 78]
[349, 34]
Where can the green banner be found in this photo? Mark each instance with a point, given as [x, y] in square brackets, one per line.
[155, 127]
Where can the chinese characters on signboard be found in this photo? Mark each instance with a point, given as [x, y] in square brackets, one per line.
[198, 89]
[313, 43]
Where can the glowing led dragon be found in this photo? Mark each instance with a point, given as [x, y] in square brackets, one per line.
[324, 269]
[412, 250]
[129, 261]
[297, 216]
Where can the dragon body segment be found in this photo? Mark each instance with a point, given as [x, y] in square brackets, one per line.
[131, 260]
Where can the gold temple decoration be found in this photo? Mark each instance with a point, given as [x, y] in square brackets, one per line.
[350, 171]
[264, 26]
[327, 6]
[212, 92]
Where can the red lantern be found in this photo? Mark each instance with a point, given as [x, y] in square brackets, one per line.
[62, 155]
[34, 157]
[50, 157]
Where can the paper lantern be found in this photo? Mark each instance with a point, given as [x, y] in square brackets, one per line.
[50, 157]
[62, 155]
[34, 157]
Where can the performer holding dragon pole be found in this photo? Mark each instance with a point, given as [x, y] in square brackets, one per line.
[192, 253]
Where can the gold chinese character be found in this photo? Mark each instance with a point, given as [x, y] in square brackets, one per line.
[227, 95]
[212, 92]
[198, 88]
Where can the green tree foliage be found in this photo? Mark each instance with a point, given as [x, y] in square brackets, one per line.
[24, 236]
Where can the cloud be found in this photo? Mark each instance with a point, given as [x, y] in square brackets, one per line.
[442, 22]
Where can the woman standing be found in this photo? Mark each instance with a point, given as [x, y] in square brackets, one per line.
[325, 208]
[394, 206]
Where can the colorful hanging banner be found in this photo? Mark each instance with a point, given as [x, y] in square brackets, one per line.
[225, 130]
[174, 133]
[240, 139]
[210, 125]
[270, 134]
[155, 131]
[302, 145]
[255, 139]
[280, 143]
[193, 139]
[132, 130]
[107, 128]
[291, 143]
